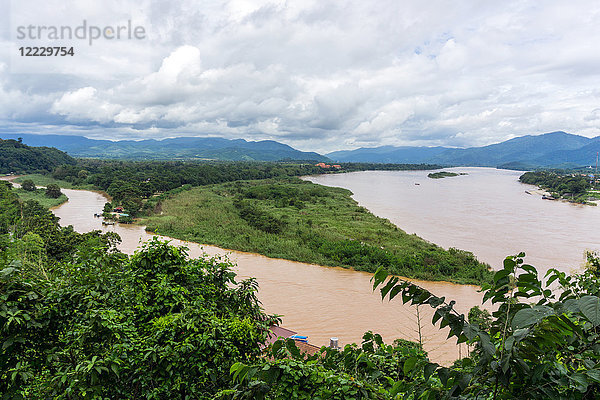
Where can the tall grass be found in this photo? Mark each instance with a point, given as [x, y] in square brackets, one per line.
[314, 224]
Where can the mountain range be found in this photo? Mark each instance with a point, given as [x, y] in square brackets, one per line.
[181, 148]
[554, 149]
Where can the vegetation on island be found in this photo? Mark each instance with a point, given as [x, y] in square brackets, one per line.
[444, 174]
[575, 187]
[16, 158]
[45, 180]
[40, 196]
[134, 185]
[50, 196]
[302, 221]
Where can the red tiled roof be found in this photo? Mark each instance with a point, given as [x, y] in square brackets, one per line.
[278, 331]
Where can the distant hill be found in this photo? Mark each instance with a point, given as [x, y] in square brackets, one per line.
[579, 157]
[526, 152]
[183, 148]
[16, 157]
[388, 154]
[521, 149]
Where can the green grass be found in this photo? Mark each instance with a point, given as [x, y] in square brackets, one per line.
[40, 196]
[45, 180]
[302, 221]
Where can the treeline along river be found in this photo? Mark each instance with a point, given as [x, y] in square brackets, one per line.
[322, 302]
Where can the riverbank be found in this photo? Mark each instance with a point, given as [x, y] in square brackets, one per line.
[300, 221]
[320, 302]
[572, 187]
[39, 195]
[45, 180]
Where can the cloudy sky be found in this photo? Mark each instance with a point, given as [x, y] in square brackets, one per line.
[319, 75]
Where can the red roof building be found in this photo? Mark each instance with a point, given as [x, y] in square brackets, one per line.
[280, 332]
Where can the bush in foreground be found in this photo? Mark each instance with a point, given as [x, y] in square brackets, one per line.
[156, 325]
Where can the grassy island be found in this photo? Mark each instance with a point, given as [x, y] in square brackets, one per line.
[302, 221]
[444, 174]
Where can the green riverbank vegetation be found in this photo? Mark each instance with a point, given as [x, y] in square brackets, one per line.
[81, 320]
[39, 195]
[43, 180]
[575, 187]
[132, 183]
[444, 174]
[302, 221]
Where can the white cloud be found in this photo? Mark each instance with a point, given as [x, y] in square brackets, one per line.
[319, 74]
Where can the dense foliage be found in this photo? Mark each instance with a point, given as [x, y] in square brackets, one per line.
[20, 219]
[573, 186]
[538, 344]
[372, 371]
[301, 221]
[135, 185]
[15, 157]
[79, 320]
[153, 326]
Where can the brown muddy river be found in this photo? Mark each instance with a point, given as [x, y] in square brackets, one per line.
[320, 302]
[487, 212]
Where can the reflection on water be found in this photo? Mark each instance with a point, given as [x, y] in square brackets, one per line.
[320, 302]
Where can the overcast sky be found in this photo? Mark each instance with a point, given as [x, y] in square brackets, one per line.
[318, 75]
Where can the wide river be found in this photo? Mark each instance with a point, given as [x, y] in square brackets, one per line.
[486, 212]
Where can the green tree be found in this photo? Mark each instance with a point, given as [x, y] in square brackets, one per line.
[28, 185]
[53, 190]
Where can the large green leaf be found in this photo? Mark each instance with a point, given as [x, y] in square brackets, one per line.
[530, 316]
[590, 308]
[409, 365]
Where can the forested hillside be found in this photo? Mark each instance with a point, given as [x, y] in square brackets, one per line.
[16, 157]
[180, 148]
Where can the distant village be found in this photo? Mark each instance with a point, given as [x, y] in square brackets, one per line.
[326, 166]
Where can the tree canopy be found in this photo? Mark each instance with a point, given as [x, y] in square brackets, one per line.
[16, 157]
